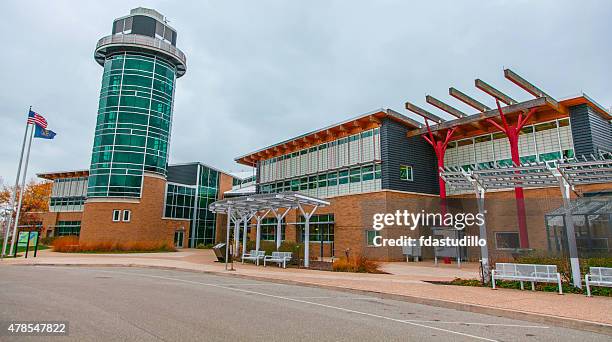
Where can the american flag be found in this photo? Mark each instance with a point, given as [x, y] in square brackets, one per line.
[35, 118]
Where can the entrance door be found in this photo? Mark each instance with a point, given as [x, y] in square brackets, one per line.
[178, 238]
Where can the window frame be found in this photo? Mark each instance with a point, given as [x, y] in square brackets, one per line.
[367, 240]
[116, 215]
[507, 248]
[129, 216]
[407, 179]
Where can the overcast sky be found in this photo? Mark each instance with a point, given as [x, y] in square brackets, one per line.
[263, 71]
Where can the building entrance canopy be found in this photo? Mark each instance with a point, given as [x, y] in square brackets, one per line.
[243, 209]
[565, 174]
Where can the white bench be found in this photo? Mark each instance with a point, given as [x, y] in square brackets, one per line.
[254, 255]
[527, 272]
[279, 258]
[598, 276]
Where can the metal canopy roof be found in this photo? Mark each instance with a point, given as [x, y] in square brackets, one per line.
[254, 203]
[586, 206]
[530, 175]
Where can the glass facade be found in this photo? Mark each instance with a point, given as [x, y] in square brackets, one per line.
[268, 229]
[592, 224]
[180, 201]
[321, 228]
[191, 202]
[203, 230]
[133, 124]
[68, 194]
[345, 166]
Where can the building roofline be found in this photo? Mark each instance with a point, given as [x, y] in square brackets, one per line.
[584, 98]
[541, 103]
[85, 172]
[62, 174]
[203, 164]
[386, 112]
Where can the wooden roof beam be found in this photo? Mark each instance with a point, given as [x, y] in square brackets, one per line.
[527, 86]
[468, 100]
[484, 86]
[422, 112]
[443, 106]
[519, 107]
[374, 119]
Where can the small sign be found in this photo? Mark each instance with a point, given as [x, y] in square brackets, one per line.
[23, 239]
[33, 239]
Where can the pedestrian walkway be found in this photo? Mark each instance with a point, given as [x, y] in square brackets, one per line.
[409, 280]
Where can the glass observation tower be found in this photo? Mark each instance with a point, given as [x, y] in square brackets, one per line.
[141, 64]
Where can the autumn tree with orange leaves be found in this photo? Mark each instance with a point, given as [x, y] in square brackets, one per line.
[35, 199]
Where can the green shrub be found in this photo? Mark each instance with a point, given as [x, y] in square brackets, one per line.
[204, 246]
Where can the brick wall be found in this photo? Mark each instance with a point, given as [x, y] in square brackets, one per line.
[146, 223]
[353, 217]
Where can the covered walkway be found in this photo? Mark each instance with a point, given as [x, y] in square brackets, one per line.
[243, 209]
[566, 174]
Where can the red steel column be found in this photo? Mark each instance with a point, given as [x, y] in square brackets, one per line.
[513, 132]
[439, 147]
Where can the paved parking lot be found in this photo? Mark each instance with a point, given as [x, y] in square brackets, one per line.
[113, 303]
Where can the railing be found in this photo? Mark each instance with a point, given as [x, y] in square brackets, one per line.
[142, 40]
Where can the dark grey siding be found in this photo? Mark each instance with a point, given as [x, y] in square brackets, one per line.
[396, 150]
[592, 134]
[183, 174]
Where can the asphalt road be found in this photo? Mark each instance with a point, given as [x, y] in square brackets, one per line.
[111, 304]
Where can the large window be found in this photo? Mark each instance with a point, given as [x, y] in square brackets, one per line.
[507, 240]
[347, 165]
[338, 182]
[64, 228]
[268, 229]
[133, 124]
[204, 228]
[68, 194]
[180, 201]
[321, 228]
[592, 218]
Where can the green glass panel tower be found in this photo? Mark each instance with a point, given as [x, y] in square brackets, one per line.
[141, 64]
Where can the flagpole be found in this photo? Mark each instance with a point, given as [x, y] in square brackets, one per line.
[8, 224]
[21, 191]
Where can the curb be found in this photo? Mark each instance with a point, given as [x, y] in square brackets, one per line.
[559, 321]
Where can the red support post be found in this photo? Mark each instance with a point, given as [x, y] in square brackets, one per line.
[439, 147]
[513, 132]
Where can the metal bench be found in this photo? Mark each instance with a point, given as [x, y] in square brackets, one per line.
[598, 276]
[527, 272]
[254, 255]
[279, 258]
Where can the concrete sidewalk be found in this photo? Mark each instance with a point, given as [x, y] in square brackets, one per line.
[408, 282]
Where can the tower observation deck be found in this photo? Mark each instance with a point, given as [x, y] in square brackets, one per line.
[141, 64]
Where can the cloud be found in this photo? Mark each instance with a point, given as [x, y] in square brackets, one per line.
[261, 72]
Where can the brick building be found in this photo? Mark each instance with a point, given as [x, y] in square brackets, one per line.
[379, 162]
